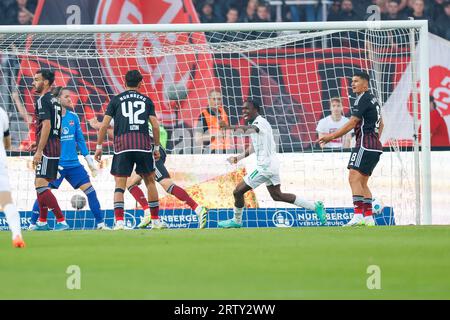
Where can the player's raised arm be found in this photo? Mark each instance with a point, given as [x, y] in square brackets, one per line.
[101, 137]
[350, 125]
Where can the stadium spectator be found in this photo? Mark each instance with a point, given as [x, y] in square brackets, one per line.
[393, 11]
[439, 133]
[332, 123]
[24, 18]
[208, 136]
[249, 14]
[262, 13]
[232, 15]
[442, 26]
[334, 11]
[347, 13]
[228, 36]
[306, 12]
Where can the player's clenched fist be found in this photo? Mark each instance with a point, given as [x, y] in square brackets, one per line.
[98, 155]
[233, 160]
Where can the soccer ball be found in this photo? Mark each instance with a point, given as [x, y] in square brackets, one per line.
[377, 206]
[78, 202]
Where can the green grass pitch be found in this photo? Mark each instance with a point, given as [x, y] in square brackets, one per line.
[290, 263]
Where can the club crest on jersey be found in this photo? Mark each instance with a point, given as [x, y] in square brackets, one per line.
[71, 122]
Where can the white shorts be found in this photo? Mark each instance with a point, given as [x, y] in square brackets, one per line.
[4, 179]
[269, 176]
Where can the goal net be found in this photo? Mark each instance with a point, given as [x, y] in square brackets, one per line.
[192, 74]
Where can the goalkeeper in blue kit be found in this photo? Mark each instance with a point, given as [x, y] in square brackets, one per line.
[70, 167]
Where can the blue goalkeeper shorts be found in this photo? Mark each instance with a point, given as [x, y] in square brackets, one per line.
[76, 176]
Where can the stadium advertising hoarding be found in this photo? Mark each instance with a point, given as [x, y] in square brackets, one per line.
[183, 219]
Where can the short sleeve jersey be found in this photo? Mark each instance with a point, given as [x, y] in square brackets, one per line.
[131, 111]
[48, 108]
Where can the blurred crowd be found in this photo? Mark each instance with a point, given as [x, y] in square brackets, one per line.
[21, 12]
[17, 12]
[230, 11]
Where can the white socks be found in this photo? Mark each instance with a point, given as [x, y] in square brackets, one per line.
[304, 203]
[238, 214]
[13, 219]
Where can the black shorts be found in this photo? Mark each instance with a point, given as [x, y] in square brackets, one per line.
[47, 168]
[123, 163]
[363, 160]
[161, 172]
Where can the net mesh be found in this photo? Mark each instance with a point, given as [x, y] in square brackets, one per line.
[293, 74]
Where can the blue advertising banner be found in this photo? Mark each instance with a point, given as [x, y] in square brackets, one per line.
[183, 219]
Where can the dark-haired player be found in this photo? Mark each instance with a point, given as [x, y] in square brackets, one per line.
[48, 148]
[368, 124]
[132, 112]
[267, 169]
[70, 168]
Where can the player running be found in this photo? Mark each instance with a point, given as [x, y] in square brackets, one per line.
[132, 112]
[368, 124]
[163, 178]
[48, 148]
[70, 167]
[267, 170]
[6, 203]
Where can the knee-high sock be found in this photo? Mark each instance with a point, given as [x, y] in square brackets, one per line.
[48, 200]
[13, 219]
[94, 204]
[181, 194]
[154, 209]
[138, 194]
[119, 210]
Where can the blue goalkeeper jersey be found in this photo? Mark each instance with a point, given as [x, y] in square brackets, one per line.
[72, 140]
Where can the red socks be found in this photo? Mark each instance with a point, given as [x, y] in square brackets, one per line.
[154, 209]
[181, 194]
[137, 194]
[367, 206]
[358, 204]
[118, 210]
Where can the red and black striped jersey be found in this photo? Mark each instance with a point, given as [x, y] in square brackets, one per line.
[48, 108]
[131, 111]
[367, 109]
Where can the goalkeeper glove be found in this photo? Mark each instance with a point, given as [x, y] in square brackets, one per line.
[91, 165]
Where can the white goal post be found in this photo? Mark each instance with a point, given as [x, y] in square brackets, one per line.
[66, 42]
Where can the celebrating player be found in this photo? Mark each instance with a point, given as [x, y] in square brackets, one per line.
[267, 170]
[368, 124]
[131, 112]
[70, 167]
[6, 203]
[163, 178]
[48, 149]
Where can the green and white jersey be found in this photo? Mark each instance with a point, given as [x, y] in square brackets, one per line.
[263, 143]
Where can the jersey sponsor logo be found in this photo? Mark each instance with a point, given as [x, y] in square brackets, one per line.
[65, 130]
[283, 219]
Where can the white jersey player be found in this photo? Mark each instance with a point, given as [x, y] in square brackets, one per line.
[267, 169]
[6, 203]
